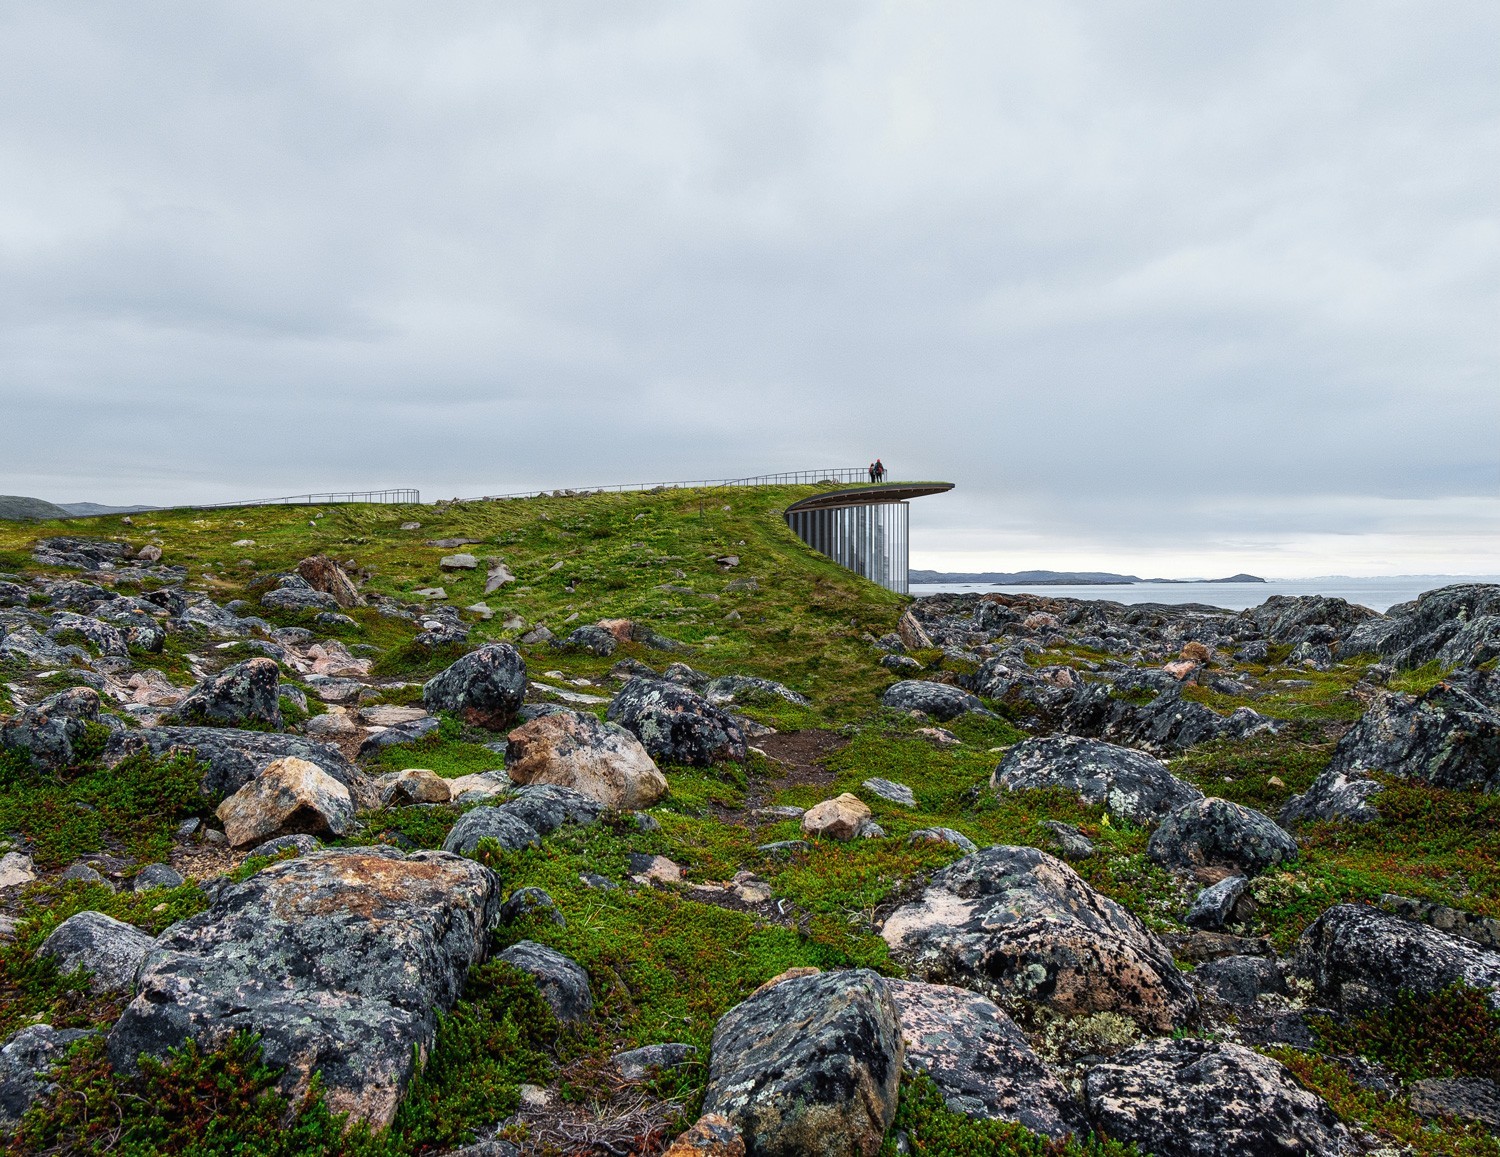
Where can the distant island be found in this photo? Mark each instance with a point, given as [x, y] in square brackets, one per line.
[1058, 578]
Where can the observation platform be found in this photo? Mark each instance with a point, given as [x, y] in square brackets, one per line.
[864, 528]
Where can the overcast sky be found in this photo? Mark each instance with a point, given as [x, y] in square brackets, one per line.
[1183, 288]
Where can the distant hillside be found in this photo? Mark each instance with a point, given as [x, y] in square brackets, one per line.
[93, 509]
[18, 508]
[1058, 578]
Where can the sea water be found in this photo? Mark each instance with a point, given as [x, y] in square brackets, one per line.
[1379, 594]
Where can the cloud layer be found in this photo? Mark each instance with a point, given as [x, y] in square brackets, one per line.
[1162, 287]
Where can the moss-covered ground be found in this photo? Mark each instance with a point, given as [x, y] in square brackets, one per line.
[666, 964]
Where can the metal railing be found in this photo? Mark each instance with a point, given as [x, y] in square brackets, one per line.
[386, 496]
[788, 478]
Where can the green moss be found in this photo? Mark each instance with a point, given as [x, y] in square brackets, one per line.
[1453, 1033]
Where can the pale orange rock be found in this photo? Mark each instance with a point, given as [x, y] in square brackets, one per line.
[839, 818]
[712, 1136]
[291, 797]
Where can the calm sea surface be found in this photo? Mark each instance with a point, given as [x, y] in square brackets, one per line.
[1376, 593]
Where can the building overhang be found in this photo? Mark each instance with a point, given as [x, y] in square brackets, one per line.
[874, 495]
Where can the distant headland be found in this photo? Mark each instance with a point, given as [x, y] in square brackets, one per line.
[1059, 578]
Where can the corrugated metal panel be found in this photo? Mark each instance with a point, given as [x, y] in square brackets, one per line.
[869, 539]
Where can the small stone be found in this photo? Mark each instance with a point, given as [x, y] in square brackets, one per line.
[944, 836]
[1214, 906]
[563, 984]
[109, 949]
[81, 873]
[650, 869]
[415, 785]
[1069, 842]
[156, 876]
[528, 903]
[779, 812]
[15, 870]
[458, 562]
[940, 735]
[839, 818]
[302, 844]
[636, 1064]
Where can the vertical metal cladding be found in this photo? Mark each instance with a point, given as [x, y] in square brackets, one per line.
[869, 538]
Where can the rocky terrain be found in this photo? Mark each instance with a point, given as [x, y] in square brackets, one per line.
[625, 824]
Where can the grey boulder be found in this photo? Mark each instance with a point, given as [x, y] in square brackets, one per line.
[109, 949]
[1335, 796]
[1457, 625]
[1130, 784]
[246, 693]
[49, 731]
[1196, 1098]
[1219, 833]
[340, 960]
[1445, 737]
[1240, 980]
[727, 689]
[980, 1060]
[676, 724]
[942, 701]
[809, 1065]
[1016, 923]
[563, 984]
[1214, 906]
[485, 687]
[490, 823]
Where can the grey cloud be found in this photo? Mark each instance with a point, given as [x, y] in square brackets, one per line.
[1128, 275]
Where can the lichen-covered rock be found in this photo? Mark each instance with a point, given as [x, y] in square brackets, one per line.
[1445, 737]
[712, 1135]
[246, 693]
[840, 818]
[323, 574]
[810, 1066]
[595, 640]
[156, 876]
[546, 807]
[636, 1064]
[1334, 795]
[341, 960]
[980, 1060]
[943, 836]
[1196, 1098]
[1308, 618]
[1240, 980]
[1130, 784]
[485, 687]
[676, 724]
[942, 701]
[233, 758]
[1360, 958]
[50, 730]
[26, 1060]
[490, 823]
[110, 949]
[603, 761]
[1016, 923]
[1214, 906]
[564, 985]
[290, 797]
[106, 639]
[1220, 833]
[890, 791]
[1466, 1098]
[295, 593]
[1168, 723]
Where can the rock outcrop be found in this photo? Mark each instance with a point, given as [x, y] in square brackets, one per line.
[1360, 958]
[291, 797]
[1017, 924]
[1457, 625]
[1445, 737]
[1130, 784]
[1196, 1098]
[340, 960]
[809, 1065]
[49, 731]
[676, 724]
[604, 761]
[942, 701]
[26, 1061]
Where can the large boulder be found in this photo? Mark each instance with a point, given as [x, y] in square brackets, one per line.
[1445, 737]
[942, 701]
[1016, 923]
[246, 693]
[1360, 958]
[295, 593]
[490, 823]
[980, 1060]
[1166, 724]
[26, 1060]
[1197, 1098]
[676, 724]
[1219, 833]
[809, 1066]
[50, 730]
[1308, 618]
[563, 983]
[602, 760]
[1130, 784]
[1457, 625]
[291, 797]
[232, 758]
[340, 960]
[110, 949]
[546, 807]
[323, 574]
[486, 687]
[727, 689]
